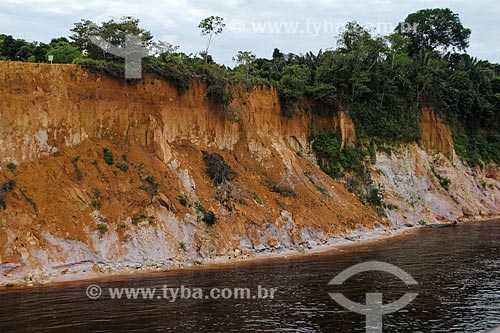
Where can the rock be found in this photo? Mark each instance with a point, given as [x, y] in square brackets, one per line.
[261, 247]
[24, 253]
[221, 251]
[32, 240]
[143, 224]
[95, 268]
[440, 218]
[246, 244]
[163, 200]
[491, 171]
[469, 212]
[274, 243]
[204, 251]
[9, 285]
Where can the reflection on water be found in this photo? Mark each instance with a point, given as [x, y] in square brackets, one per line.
[457, 270]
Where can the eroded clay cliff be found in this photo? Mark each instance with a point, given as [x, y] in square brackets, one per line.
[68, 210]
[428, 183]
[71, 211]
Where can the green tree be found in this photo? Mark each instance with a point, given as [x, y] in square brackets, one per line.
[40, 51]
[292, 87]
[112, 31]
[64, 53]
[81, 39]
[116, 31]
[55, 42]
[211, 27]
[246, 60]
[15, 49]
[351, 67]
[25, 53]
[434, 30]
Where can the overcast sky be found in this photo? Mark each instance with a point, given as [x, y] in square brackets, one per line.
[294, 26]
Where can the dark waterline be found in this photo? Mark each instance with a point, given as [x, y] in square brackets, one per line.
[458, 271]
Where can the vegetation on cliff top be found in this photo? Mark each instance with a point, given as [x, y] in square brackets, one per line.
[382, 80]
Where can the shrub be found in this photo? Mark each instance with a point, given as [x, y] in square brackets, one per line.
[96, 204]
[12, 167]
[8, 186]
[282, 190]
[113, 69]
[209, 218]
[218, 94]
[392, 206]
[151, 179]
[108, 156]
[327, 149]
[78, 172]
[375, 198]
[122, 166]
[138, 218]
[217, 169]
[182, 200]
[353, 159]
[333, 160]
[443, 181]
[102, 228]
[390, 123]
[176, 74]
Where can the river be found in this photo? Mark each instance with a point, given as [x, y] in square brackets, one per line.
[457, 270]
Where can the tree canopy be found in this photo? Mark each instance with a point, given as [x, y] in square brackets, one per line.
[436, 29]
[211, 27]
[112, 31]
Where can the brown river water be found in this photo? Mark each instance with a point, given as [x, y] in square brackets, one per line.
[457, 270]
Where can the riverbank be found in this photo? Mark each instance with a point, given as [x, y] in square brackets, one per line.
[456, 270]
[114, 271]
